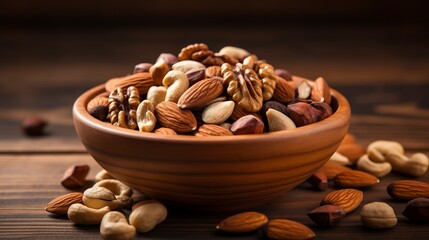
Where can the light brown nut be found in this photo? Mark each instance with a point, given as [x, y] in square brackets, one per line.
[321, 92]
[142, 67]
[378, 215]
[186, 65]
[348, 199]
[169, 115]
[234, 52]
[75, 176]
[239, 112]
[331, 169]
[416, 165]
[142, 81]
[61, 204]
[375, 168]
[355, 179]
[201, 93]
[352, 151]
[265, 72]
[145, 217]
[278, 121]
[377, 150]
[212, 130]
[158, 71]
[327, 215]
[103, 174]
[213, 71]
[226, 125]
[165, 131]
[186, 52]
[340, 159]
[408, 190]
[218, 112]
[283, 92]
[146, 120]
[99, 197]
[143, 202]
[114, 226]
[417, 210]
[123, 104]
[280, 229]
[195, 75]
[83, 215]
[244, 86]
[243, 222]
[156, 94]
[318, 180]
[176, 83]
[98, 108]
[247, 125]
[121, 191]
[169, 58]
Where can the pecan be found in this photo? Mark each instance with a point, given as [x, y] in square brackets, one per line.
[201, 53]
[122, 107]
[244, 86]
[187, 52]
[265, 72]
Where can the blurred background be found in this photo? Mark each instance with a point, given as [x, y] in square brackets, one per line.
[375, 52]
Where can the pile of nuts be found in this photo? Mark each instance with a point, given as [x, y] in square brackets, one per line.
[104, 203]
[205, 93]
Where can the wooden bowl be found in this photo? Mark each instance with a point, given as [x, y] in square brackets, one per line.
[211, 173]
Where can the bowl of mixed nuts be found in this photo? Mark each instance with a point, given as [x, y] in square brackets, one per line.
[211, 130]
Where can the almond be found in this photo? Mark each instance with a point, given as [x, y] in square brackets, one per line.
[61, 204]
[283, 91]
[349, 138]
[200, 93]
[165, 131]
[287, 229]
[169, 115]
[355, 179]
[408, 189]
[243, 222]
[347, 199]
[332, 169]
[142, 81]
[352, 151]
[320, 91]
[212, 130]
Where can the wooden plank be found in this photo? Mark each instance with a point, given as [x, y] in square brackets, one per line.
[28, 182]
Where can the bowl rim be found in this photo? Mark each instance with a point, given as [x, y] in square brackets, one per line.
[338, 118]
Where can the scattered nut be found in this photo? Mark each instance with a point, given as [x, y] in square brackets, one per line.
[416, 165]
[378, 169]
[114, 226]
[121, 191]
[340, 159]
[145, 217]
[34, 126]
[331, 169]
[327, 215]
[83, 215]
[243, 222]
[282, 229]
[378, 215]
[99, 197]
[377, 150]
[74, 176]
[318, 180]
[408, 189]
[417, 210]
[347, 199]
[352, 151]
[61, 204]
[355, 179]
[103, 174]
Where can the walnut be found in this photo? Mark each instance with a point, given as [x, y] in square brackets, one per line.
[244, 86]
[265, 72]
[201, 53]
[123, 104]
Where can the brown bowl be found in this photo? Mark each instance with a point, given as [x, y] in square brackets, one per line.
[211, 173]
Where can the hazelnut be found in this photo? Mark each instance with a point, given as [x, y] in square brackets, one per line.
[142, 67]
[302, 113]
[33, 126]
[169, 58]
[248, 124]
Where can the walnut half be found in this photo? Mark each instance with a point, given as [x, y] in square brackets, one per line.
[244, 86]
[123, 104]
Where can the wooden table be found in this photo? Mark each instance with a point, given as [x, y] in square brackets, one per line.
[384, 74]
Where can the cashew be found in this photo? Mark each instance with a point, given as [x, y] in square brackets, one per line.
[99, 197]
[176, 82]
[146, 120]
[377, 150]
[83, 215]
[340, 159]
[114, 226]
[103, 174]
[186, 65]
[378, 215]
[235, 52]
[278, 121]
[416, 165]
[218, 112]
[147, 216]
[158, 71]
[156, 94]
[376, 169]
[121, 191]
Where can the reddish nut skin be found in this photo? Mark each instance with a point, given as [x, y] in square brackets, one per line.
[302, 113]
[142, 67]
[283, 74]
[248, 124]
[417, 210]
[318, 180]
[169, 58]
[74, 176]
[33, 126]
[327, 215]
